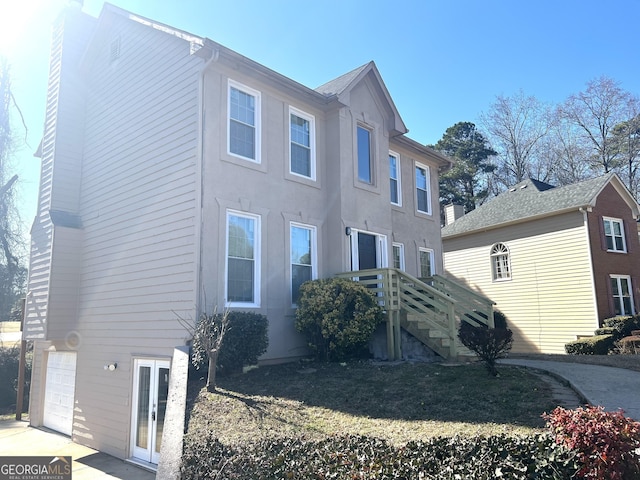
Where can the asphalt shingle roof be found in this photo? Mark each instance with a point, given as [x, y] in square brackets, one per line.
[529, 198]
[338, 85]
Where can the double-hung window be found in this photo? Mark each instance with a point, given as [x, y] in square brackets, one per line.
[423, 194]
[303, 257]
[365, 161]
[398, 256]
[614, 235]
[500, 262]
[426, 262]
[622, 295]
[394, 179]
[302, 144]
[243, 259]
[244, 122]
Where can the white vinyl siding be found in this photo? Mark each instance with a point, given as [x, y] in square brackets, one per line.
[551, 299]
[614, 235]
[302, 148]
[244, 122]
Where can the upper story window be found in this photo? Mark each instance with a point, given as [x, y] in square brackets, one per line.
[500, 262]
[614, 235]
[423, 194]
[394, 179]
[244, 122]
[303, 257]
[243, 259]
[426, 262]
[398, 256]
[622, 295]
[302, 144]
[365, 161]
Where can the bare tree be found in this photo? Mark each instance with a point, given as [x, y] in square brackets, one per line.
[595, 112]
[12, 272]
[566, 152]
[516, 127]
[626, 140]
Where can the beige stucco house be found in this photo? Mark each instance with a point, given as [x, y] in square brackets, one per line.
[556, 260]
[179, 176]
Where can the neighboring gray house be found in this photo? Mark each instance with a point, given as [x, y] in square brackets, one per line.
[177, 176]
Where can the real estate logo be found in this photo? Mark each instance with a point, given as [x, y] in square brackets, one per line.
[35, 468]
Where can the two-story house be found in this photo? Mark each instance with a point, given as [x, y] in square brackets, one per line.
[179, 176]
[556, 260]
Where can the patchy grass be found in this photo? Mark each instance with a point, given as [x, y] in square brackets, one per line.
[398, 403]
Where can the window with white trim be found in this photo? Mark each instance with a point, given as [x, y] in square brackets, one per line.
[243, 259]
[244, 122]
[423, 194]
[398, 256]
[303, 257]
[394, 179]
[302, 153]
[614, 234]
[500, 262]
[365, 160]
[427, 266]
[622, 295]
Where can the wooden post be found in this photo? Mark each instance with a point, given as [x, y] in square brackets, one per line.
[453, 332]
[397, 336]
[21, 367]
[390, 336]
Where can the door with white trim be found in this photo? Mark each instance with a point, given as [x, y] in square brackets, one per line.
[151, 390]
[368, 250]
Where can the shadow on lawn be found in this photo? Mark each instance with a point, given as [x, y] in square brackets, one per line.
[411, 392]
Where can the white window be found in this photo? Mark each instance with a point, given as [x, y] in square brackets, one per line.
[398, 256]
[394, 178]
[622, 295]
[614, 235]
[244, 122]
[423, 194]
[427, 267]
[365, 161]
[500, 262]
[243, 260]
[303, 257]
[302, 153]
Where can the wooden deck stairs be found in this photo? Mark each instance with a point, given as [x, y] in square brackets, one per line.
[430, 309]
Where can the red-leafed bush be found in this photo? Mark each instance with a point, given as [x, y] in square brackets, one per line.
[606, 443]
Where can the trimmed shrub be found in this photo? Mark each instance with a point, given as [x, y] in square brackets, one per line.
[482, 458]
[622, 326]
[489, 344]
[596, 345]
[246, 339]
[605, 331]
[605, 442]
[337, 317]
[9, 364]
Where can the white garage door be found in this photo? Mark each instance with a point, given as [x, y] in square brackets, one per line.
[59, 391]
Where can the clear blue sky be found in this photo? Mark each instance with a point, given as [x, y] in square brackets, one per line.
[443, 61]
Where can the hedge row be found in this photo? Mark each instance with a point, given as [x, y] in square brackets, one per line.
[606, 337]
[483, 458]
[596, 345]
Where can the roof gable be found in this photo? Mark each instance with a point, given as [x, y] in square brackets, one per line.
[532, 199]
[342, 86]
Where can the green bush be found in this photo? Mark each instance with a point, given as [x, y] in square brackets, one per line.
[246, 339]
[337, 317]
[622, 326]
[482, 458]
[596, 345]
[9, 363]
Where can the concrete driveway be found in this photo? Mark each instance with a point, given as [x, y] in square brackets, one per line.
[19, 439]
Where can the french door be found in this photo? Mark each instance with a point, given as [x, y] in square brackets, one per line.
[368, 250]
[151, 389]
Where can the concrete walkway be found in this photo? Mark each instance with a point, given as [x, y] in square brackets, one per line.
[19, 439]
[613, 388]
